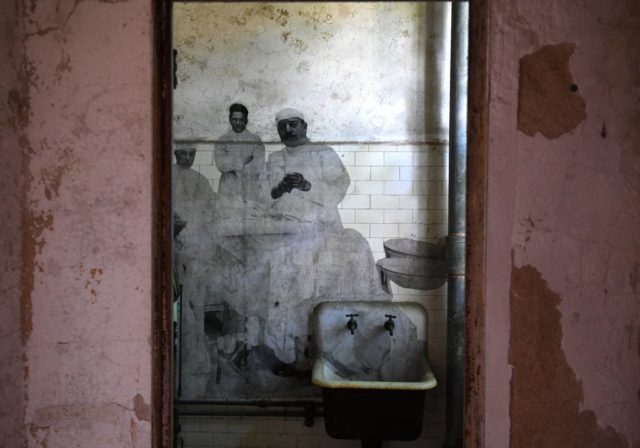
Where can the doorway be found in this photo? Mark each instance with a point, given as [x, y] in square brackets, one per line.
[318, 20]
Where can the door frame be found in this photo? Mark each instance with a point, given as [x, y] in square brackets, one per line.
[477, 133]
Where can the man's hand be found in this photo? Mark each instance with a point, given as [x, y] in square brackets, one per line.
[288, 183]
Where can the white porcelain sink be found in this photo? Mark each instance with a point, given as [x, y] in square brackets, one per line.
[372, 357]
[373, 378]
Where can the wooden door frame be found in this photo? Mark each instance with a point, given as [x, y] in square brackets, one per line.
[162, 331]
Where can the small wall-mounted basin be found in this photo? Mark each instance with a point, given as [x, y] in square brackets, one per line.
[413, 264]
[405, 247]
[414, 273]
[374, 380]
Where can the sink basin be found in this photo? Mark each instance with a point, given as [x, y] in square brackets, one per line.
[371, 358]
[373, 382]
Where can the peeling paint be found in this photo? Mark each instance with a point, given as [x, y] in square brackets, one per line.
[141, 409]
[69, 363]
[545, 394]
[549, 101]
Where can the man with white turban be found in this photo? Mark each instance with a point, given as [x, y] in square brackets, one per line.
[328, 262]
[309, 180]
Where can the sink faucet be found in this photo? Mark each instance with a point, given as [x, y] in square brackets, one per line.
[352, 324]
[389, 325]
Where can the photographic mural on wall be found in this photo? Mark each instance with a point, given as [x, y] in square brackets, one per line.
[253, 260]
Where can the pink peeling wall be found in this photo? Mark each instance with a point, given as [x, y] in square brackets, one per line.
[562, 215]
[80, 290]
[563, 219]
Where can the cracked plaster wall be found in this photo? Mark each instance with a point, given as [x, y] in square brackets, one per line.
[563, 247]
[77, 208]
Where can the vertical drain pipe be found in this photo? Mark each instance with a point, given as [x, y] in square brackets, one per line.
[457, 210]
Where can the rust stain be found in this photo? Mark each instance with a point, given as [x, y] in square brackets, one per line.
[93, 283]
[545, 393]
[548, 97]
[40, 434]
[33, 225]
[141, 409]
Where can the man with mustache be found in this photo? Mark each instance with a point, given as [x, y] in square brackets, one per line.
[308, 180]
[324, 261]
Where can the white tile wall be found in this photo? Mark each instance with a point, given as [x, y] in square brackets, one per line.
[385, 173]
[369, 187]
[356, 201]
[370, 216]
[370, 159]
[359, 172]
[397, 190]
[397, 216]
[398, 159]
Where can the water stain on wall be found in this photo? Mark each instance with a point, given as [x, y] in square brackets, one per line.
[549, 101]
[278, 15]
[545, 393]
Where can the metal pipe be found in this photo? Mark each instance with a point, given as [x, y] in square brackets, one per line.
[258, 403]
[457, 225]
